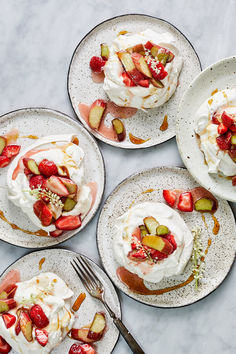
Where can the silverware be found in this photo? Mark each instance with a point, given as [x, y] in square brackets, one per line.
[95, 288]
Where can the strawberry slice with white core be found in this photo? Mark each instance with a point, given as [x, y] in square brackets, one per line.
[8, 319]
[69, 184]
[11, 151]
[96, 113]
[41, 336]
[4, 161]
[185, 202]
[55, 185]
[69, 222]
[227, 119]
[170, 196]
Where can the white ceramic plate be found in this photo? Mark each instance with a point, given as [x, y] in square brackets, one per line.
[42, 122]
[29, 267]
[82, 89]
[218, 261]
[221, 75]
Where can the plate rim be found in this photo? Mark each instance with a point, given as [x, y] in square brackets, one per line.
[81, 41]
[75, 253]
[177, 129]
[177, 168]
[66, 116]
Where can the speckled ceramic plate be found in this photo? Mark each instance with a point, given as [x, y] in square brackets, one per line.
[42, 122]
[221, 253]
[221, 75]
[82, 89]
[29, 267]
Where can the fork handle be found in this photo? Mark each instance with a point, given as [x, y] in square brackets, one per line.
[134, 346]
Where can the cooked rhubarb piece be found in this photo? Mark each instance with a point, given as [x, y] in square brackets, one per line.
[144, 230]
[157, 83]
[141, 64]
[170, 196]
[3, 295]
[7, 304]
[55, 185]
[234, 181]
[232, 153]
[162, 230]
[158, 243]
[154, 51]
[3, 143]
[5, 348]
[31, 165]
[96, 113]
[233, 139]
[56, 233]
[97, 327]
[224, 141]
[69, 204]
[69, 222]
[222, 128]
[119, 129]
[97, 64]
[81, 334]
[151, 224]
[26, 326]
[81, 349]
[69, 184]
[163, 57]
[63, 171]
[138, 48]
[215, 119]
[38, 316]
[185, 202]
[104, 51]
[137, 233]
[8, 319]
[9, 292]
[4, 161]
[47, 168]
[227, 119]
[129, 67]
[11, 151]
[41, 336]
[17, 328]
[202, 198]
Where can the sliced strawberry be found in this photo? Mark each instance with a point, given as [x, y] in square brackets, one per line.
[81, 349]
[38, 208]
[56, 233]
[144, 83]
[227, 119]
[127, 80]
[8, 319]
[222, 128]
[46, 216]
[148, 45]
[36, 182]
[224, 141]
[233, 128]
[47, 168]
[159, 255]
[11, 290]
[56, 186]
[170, 196]
[69, 222]
[11, 151]
[41, 336]
[17, 328]
[97, 64]
[5, 348]
[38, 316]
[137, 233]
[215, 119]
[185, 202]
[4, 161]
[139, 254]
[171, 239]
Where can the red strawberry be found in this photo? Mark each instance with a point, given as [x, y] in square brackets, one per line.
[222, 128]
[38, 316]
[11, 151]
[127, 80]
[47, 168]
[5, 348]
[69, 222]
[148, 45]
[157, 69]
[97, 64]
[234, 181]
[137, 233]
[41, 336]
[159, 255]
[17, 328]
[8, 319]
[55, 185]
[38, 208]
[56, 233]
[171, 239]
[214, 119]
[170, 196]
[227, 119]
[139, 254]
[224, 141]
[36, 181]
[46, 216]
[233, 128]
[4, 161]
[144, 83]
[81, 349]
[185, 202]
[11, 290]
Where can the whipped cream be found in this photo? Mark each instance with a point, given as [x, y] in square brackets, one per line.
[172, 265]
[52, 294]
[137, 96]
[60, 150]
[216, 159]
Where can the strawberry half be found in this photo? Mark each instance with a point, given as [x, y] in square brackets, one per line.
[46, 216]
[38, 316]
[47, 168]
[36, 181]
[224, 141]
[170, 196]
[56, 186]
[8, 319]
[38, 208]
[5, 348]
[137, 233]
[227, 119]
[127, 80]
[11, 151]
[171, 239]
[144, 83]
[215, 119]
[69, 222]
[41, 336]
[4, 161]
[185, 202]
[97, 64]
[222, 128]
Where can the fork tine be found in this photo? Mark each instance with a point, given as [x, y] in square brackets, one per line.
[86, 273]
[92, 273]
[81, 278]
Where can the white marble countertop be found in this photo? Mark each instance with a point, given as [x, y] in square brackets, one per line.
[37, 39]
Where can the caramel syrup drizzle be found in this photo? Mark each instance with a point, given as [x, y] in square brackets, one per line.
[164, 125]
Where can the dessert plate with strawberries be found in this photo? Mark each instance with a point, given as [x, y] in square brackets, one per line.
[163, 239]
[52, 177]
[206, 122]
[45, 308]
[126, 78]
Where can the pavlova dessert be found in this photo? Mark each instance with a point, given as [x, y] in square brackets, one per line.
[47, 182]
[35, 314]
[216, 128]
[152, 241]
[141, 69]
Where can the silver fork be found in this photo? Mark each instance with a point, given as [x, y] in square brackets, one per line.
[95, 288]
